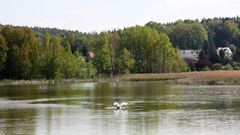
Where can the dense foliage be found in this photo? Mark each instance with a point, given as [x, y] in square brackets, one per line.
[187, 35]
[222, 32]
[152, 51]
[29, 57]
[28, 54]
[206, 35]
[45, 53]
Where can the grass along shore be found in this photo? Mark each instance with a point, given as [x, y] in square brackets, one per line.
[185, 78]
[190, 78]
[43, 82]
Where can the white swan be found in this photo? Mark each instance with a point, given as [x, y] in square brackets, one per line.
[120, 105]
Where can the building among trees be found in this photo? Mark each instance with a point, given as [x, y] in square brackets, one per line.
[190, 54]
[89, 55]
[226, 52]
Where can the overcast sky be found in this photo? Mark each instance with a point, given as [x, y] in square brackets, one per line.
[101, 15]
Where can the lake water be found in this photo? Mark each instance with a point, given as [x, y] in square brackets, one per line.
[86, 109]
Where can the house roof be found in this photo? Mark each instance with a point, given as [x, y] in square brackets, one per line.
[225, 49]
[190, 54]
[91, 54]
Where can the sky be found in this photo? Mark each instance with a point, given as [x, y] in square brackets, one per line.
[103, 15]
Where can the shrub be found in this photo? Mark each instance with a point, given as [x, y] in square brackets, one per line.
[227, 67]
[236, 68]
[202, 63]
[235, 65]
[217, 66]
[206, 68]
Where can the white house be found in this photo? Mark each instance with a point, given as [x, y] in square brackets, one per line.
[189, 54]
[227, 51]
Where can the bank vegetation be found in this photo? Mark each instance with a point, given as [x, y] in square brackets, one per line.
[190, 78]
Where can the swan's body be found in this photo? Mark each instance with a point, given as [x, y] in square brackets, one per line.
[120, 105]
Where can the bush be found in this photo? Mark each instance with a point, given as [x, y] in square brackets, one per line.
[202, 63]
[206, 69]
[227, 67]
[235, 65]
[217, 66]
[189, 69]
[236, 68]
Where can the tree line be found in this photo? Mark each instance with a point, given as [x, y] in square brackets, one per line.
[206, 35]
[45, 53]
[27, 54]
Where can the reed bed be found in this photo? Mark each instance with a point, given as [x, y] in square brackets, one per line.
[202, 74]
[190, 78]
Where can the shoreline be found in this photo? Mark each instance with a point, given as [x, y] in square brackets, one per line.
[183, 78]
[190, 78]
[7, 82]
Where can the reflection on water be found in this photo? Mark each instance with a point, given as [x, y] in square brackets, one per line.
[86, 108]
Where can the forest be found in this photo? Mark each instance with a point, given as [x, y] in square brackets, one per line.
[50, 53]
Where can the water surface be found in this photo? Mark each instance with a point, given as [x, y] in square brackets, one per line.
[86, 109]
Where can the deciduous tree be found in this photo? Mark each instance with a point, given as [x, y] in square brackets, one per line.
[3, 52]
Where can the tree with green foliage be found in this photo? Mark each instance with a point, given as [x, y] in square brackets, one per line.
[54, 54]
[231, 31]
[236, 56]
[187, 35]
[212, 27]
[59, 61]
[114, 45]
[152, 51]
[209, 52]
[22, 46]
[222, 31]
[46, 57]
[102, 60]
[34, 55]
[45, 53]
[125, 61]
[54, 65]
[156, 26]
[78, 67]
[90, 70]
[3, 52]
